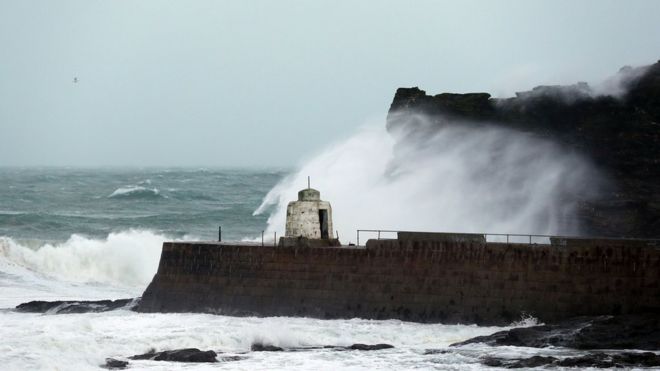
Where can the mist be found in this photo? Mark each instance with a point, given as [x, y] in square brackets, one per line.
[464, 177]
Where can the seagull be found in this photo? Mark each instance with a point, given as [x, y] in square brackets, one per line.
[75, 80]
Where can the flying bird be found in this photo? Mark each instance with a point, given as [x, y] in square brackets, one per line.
[75, 80]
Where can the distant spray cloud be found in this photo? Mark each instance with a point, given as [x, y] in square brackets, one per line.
[463, 177]
[615, 86]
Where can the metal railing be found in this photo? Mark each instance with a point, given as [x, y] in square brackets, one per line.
[538, 239]
[262, 236]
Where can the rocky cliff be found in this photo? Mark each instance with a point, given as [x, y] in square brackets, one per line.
[618, 132]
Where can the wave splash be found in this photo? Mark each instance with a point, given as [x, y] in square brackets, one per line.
[128, 258]
[458, 178]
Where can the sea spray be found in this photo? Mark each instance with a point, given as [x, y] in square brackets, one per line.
[462, 177]
[128, 258]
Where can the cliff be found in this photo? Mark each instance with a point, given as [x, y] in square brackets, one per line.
[619, 134]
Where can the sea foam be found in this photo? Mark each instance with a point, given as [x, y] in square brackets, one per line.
[128, 258]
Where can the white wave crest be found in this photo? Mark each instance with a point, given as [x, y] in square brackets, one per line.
[128, 258]
[135, 191]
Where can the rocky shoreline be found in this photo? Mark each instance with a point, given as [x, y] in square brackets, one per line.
[639, 332]
[611, 341]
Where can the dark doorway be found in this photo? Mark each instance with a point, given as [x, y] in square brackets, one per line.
[323, 221]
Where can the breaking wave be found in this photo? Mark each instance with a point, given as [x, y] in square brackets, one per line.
[459, 178]
[128, 258]
[136, 192]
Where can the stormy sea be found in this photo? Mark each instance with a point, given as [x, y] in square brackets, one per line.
[91, 234]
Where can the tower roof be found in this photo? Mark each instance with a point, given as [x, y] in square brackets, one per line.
[309, 194]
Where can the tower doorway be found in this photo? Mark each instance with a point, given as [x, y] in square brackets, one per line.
[323, 223]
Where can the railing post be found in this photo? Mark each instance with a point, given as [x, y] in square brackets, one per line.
[379, 234]
[220, 233]
[358, 238]
[275, 239]
[530, 239]
[262, 238]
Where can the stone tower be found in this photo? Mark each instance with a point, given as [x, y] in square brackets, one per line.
[309, 221]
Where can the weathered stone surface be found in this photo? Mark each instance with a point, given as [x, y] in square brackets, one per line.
[620, 135]
[179, 355]
[603, 332]
[425, 280]
[82, 306]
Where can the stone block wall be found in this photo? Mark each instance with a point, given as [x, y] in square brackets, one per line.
[425, 280]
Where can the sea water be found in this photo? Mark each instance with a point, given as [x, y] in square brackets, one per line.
[82, 234]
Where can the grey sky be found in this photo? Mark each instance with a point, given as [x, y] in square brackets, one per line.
[260, 83]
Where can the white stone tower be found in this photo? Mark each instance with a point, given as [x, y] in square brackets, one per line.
[309, 217]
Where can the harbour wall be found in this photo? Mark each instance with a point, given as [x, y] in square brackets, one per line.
[417, 277]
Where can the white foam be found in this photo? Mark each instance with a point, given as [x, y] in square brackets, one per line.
[127, 259]
[83, 341]
[462, 178]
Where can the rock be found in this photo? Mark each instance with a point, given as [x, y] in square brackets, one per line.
[232, 358]
[599, 360]
[620, 135]
[436, 351]
[370, 347]
[114, 364]
[534, 361]
[601, 332]
[83, 306]
[258, 347]
[179, 355]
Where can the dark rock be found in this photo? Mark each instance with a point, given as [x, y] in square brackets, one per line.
[179, 355]
[436, 351]
[258, 347]
[599, 360]
[65, 307]
[114, 364]
[232, 358]
[534, 361]
[601, 332]
[370, 347]
[620, 135]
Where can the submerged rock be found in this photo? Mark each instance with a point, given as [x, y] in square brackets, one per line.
[74, 306]
[179, 355]
[601, 332]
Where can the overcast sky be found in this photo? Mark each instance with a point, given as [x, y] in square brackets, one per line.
[262, 83]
